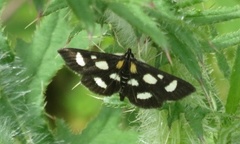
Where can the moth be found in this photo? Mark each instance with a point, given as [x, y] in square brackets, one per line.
[106, 74]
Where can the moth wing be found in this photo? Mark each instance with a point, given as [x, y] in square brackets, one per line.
[154, 87]
[85, 62]
[103, 85]
[96, 69]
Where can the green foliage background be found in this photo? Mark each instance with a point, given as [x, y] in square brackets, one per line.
[193, 39]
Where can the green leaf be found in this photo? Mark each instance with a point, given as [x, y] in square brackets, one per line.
[226, 40]
[233, 98]
[223, 64]
[83, 12]
[110, 131]
[6, 55]
[182, 42]
[103, 129]
[229, 133]
[18, 120]
[195, 116]
[39, 63]
[123, 31]
[185, 54]
[40, 57]
[213, 16]
[137, 18]
[55, 6]
[174, 113]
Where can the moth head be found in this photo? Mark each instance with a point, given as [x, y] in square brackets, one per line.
[129, 55]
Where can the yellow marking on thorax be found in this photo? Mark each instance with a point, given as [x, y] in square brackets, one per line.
[119, 64]
[133, 68]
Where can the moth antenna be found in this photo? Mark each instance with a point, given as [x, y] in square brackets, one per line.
[96, 97]
[76, 85]
[98, 46]
[31, 23]
[153, 57]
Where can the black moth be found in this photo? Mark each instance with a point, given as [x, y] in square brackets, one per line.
[105, 74]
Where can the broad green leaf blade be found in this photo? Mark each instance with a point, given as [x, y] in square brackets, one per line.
[83, 12]
[103, 129]
[137, 18]
[124, 32]
[214, 16]
[174, 113]
[185, 54]
[54, 6]
[226, 40]
[80, 38]
[110, 131]
[41, 62]
[195, 116]
[233, 98]
[223, 64]
[182, 41]
[19, 123]
[40, 57]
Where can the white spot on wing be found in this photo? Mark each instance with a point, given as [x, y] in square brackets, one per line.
[144, 95]
[171, 86]
[133, 82]
[102, 65]
[93, 57]
[100, 82]
[148, 78]
[160, 76]
[80, 60]
[115, 76]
